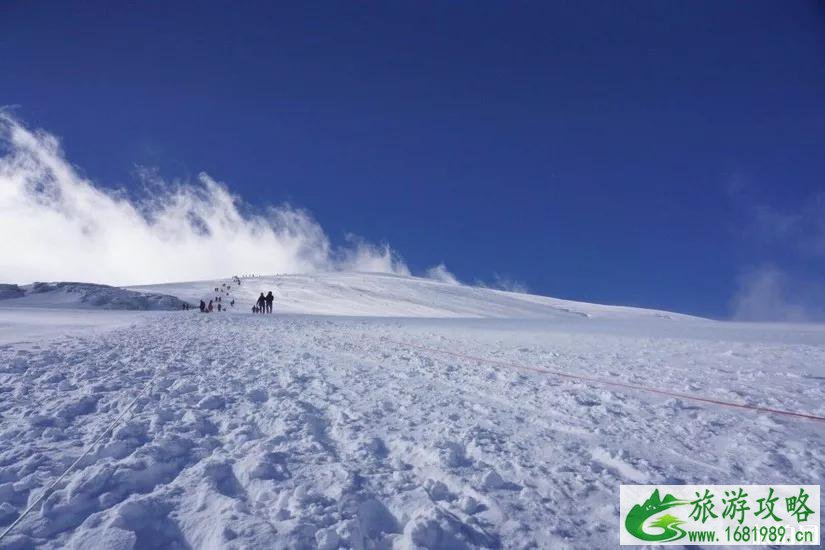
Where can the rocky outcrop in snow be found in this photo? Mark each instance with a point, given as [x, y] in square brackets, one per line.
[85, 295]
[10, 291]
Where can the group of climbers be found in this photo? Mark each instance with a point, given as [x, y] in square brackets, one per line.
[220, 293]
[264, 303]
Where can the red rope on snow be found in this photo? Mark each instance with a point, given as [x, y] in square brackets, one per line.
[604, 382]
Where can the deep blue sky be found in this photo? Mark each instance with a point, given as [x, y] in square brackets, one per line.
[604, 151]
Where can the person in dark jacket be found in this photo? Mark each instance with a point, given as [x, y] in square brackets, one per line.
[203, 306]
[209, 307]
[269, 299]
[261, 303]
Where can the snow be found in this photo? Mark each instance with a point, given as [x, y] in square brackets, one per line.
[38, 324]
[322, 426]
[388, 295]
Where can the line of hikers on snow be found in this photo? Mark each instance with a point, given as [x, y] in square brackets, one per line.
[208, 308]
[262, 305]
[224, 289]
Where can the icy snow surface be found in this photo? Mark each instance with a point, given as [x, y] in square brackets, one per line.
[320, 430]
[384, 295]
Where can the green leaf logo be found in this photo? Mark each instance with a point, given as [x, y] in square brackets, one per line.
[669, 525]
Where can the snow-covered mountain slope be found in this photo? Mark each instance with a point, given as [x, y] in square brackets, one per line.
[83, 295]
[382, 295]
[360, 427]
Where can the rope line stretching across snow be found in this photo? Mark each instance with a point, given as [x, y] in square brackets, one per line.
[71, 467]
[603, 382]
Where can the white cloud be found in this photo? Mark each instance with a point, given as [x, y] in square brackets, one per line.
[364, 256]
[788, 245]
[799, 227]
[57, 225]
[442, 274]
[508, 284]
[767, 293]
[501, 282]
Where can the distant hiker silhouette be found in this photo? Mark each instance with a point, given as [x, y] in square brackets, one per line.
[261, 303]
[209, 307]
[269, 299]
[203, 306]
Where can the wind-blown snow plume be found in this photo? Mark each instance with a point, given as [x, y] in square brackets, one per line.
[57, 225]
[442, 274]
[769, 293]
[785, 284]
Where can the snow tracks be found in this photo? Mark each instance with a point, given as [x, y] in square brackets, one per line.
[302, 432]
